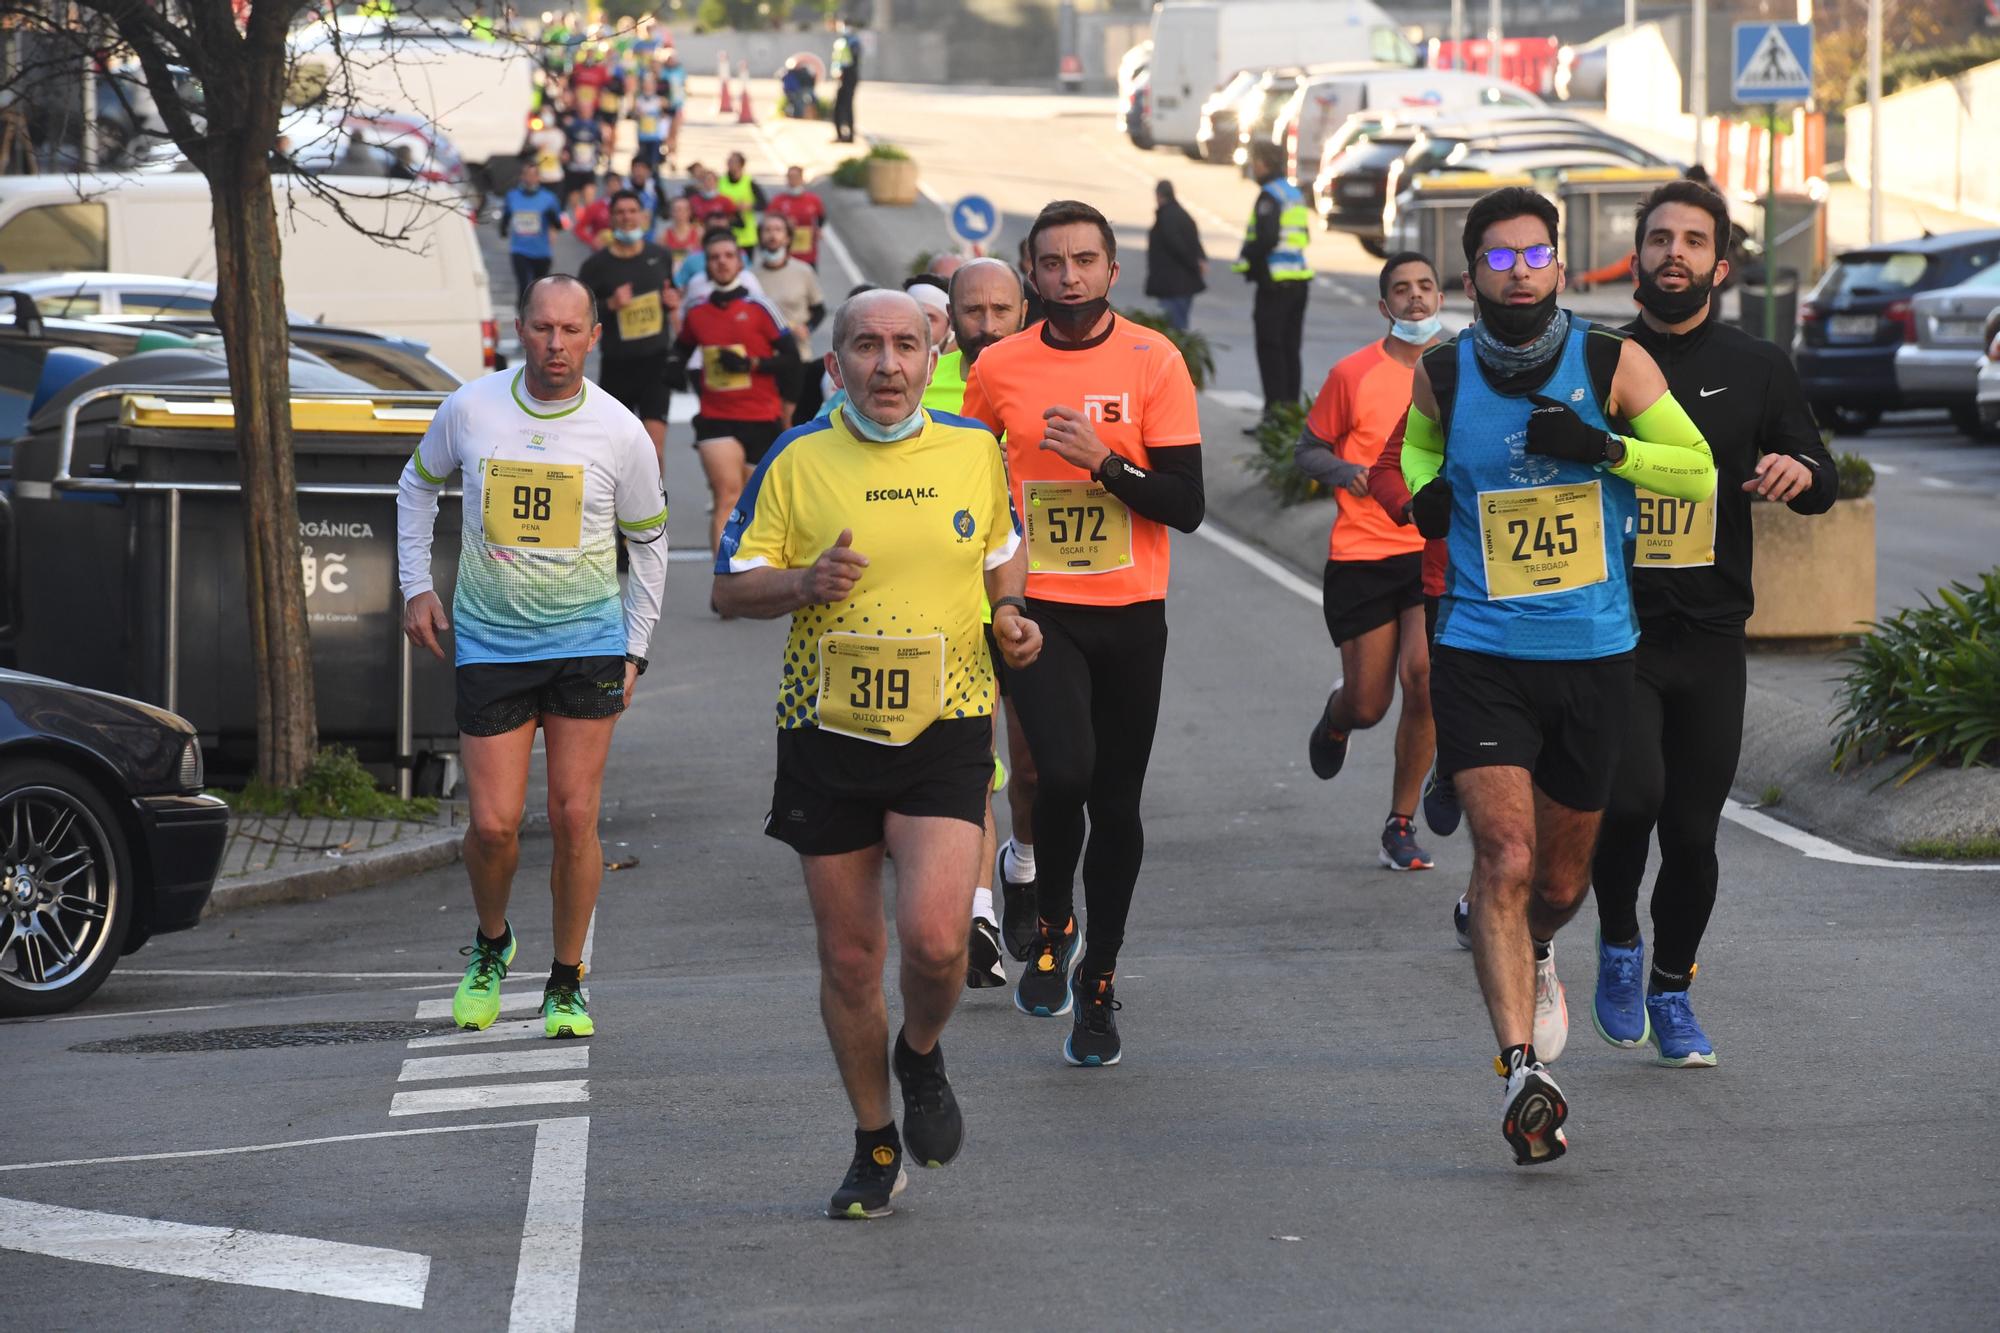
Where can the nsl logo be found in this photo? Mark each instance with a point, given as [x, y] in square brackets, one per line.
[1108, 408]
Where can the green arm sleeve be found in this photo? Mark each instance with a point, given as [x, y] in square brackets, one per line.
[1423, 450]
[1666, 453]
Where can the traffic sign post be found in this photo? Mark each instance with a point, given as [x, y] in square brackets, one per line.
[973, 220]
[1773, 65]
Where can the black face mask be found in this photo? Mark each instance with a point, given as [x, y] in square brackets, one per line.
[1516, 325]
[1673, 307]
[1073, 320]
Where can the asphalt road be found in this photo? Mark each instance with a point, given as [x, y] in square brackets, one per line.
[1303, 1133]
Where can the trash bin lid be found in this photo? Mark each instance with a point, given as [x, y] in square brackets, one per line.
[186, 365]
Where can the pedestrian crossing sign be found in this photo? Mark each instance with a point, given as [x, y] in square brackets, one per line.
[1773, 62]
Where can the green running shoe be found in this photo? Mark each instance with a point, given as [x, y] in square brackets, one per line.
[566, 1012]
[477, 1002]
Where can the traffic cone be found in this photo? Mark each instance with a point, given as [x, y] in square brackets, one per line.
[744, 115]
[722, 74]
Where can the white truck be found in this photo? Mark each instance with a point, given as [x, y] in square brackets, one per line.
[1198, 43]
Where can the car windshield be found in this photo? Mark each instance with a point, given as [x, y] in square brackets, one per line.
[1877, 274]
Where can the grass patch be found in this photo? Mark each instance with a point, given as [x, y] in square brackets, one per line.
[851, 173]
[1954, 849]
[1924, 685]
[336, 787]
[1856, 477]
[1273, 461]
[1771, 795]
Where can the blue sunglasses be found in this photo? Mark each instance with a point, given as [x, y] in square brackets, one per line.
[1501, 257]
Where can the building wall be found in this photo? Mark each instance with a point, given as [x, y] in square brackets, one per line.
[1938, 143]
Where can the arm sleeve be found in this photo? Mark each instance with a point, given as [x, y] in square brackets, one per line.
[424, 476]
[642, 517]
[1385, 476]
[1317, 453]
[1666, 454]
[1789, 428]
[1168, 492]
[506, 220]
[815, 315]
[1423, 450]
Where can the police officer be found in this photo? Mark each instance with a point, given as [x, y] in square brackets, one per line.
[846, 68]
[1274, 258]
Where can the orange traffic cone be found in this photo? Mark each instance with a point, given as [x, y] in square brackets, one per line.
[722, 74]
[744, 115]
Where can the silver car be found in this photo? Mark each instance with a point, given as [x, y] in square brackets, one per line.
[1986, 393]
[1941, 367]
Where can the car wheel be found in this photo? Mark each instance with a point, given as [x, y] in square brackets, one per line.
[1966, 419]
[1851, 420]
[65, 888]
[1194, 153]
[1375, 246]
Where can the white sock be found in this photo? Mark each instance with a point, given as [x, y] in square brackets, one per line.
[982, 905]
[1018, 862]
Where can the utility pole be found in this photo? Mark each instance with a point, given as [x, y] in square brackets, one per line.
[1631, 14]
[1874, 122]
[1698, 75]
[1457, 34]
[1493, 37]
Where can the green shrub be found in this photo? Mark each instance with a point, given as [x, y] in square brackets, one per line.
[1857, 476]
[1907, 69]
[335, 787]
[1924, 685]
[1194, 347]
[1273, 461]
[920, 263]
[852, 173]
[887, 152]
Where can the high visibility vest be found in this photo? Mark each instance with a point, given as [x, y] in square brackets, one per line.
[1288, 262]
[744, 197]
[843, 54]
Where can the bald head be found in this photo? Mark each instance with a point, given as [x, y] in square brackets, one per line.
[986, 305]
[882, 354]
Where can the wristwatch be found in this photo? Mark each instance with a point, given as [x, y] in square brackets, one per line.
[1018, 603]
[638, 661]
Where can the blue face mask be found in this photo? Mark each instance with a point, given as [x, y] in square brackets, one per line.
[628, 237]
[1417, 333]
[880, 434]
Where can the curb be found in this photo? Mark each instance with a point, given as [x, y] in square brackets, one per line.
[292, 884]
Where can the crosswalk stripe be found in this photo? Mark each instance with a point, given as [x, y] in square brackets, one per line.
[519, 1030]
[497, 1064]
[489, 1096]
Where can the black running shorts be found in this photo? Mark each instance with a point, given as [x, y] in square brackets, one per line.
[834, 792]
[639, 382]
[1562, 721]
[497, 697]
[1359, 595]
[756, 437]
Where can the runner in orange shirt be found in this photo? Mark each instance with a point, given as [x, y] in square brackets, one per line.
[1103, 443]
[1372, 593]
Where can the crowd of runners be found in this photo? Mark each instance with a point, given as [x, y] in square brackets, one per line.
[1542, 541]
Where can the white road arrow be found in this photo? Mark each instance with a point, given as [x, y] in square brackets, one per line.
[217, 1254]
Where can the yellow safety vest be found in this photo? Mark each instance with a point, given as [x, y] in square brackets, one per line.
[1288, 262]
[744, 196]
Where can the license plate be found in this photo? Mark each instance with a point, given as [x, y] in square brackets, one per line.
[1851, 326]
[1356, 190]
[1967, 330]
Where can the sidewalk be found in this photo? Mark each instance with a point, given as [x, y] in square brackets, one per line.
[289, 858]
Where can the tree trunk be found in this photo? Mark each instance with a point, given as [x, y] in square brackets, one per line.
[250, 307]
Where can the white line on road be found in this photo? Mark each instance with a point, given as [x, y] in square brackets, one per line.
[223, 972]
[1819, 849]
[1886, 469]
[520, 1030]
[217, 1254]
[134, 1013]
[496, 1064]
[1240, 399]
[1935, 483]
[489, 1096]
[1258, 561]
[186, 1153]
[511, 1002]
[551, 1265]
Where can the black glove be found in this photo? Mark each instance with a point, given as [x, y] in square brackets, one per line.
[1430, 508]
[733, 361]
[1555, 431]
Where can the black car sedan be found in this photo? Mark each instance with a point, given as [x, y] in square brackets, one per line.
[1851, 324]
[108, 839]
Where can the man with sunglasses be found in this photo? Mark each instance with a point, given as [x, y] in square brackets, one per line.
[1526, 437]
[1691, 585]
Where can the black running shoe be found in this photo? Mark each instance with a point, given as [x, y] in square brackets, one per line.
[1326, 751]
[1043, 990]
[933, 1130]
[874, 1178]
[1093, 1036]
[982, 956]
[1017, 913]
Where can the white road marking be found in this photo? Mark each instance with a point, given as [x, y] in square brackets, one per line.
[217, 1254]
[134, 1013]
[1258, 561]
[551, 1264]
[511, 1002]
[223, 972]
[489, 1096]
[1935, 483]
[690, 556]
[519, 1030]
[187, 1153]
[1819, 849]
[1241, 399]
[497, 1064]
[1886, 469]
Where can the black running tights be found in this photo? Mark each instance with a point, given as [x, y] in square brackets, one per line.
[1686, 729]
[1089, 705]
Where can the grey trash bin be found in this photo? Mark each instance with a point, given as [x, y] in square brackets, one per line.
[1757, 292]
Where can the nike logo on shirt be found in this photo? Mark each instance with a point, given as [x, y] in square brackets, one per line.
[1710, 393]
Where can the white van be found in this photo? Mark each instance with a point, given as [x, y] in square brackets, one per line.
[1326, 98]
[1197, 42]
[432, 290]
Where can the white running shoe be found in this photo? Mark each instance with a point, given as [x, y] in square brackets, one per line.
[1532, 1115]
[1551, 1010]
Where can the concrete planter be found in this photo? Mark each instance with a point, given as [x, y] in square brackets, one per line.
[1815, 576]
[892, 181]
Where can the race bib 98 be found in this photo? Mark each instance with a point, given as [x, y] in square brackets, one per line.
[533, 505]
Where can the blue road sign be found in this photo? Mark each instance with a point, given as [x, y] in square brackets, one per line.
[974, 220]
[1773, 62]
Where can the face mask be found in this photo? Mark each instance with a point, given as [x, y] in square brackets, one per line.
[708, 192]
[880, 434]
[795, 190]
[771, 258]
[1073, 321]
[1418, 333]
[624, 237]
[1516, 324]
[1674, 307]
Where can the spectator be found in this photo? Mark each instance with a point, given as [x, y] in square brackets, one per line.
[1176, 264]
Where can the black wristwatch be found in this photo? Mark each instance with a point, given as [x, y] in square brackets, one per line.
[1018, 603]
[638, 661]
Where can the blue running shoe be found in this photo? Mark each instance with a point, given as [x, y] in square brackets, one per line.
[1679, 1039]
[1441, 809]
[1619, 1008]
[1399, 846]
[1461, 922]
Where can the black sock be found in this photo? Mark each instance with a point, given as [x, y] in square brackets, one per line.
[499, 945]
[907, 1056]
[867, 1140]
[1632, 943]
[1095, 966]
[1542, 949]
[564, 974]
[1507, 1061]
[1668, 981]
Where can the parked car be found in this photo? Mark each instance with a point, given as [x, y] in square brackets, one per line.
[1257, 115]
[110, 840]
[1581, 70]
[116, 296]
[1986, 385]
[1135, 114]
[1215, 138]
[1941, 368]
[1863, 309]
[1325, 98]
[1352, 188]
